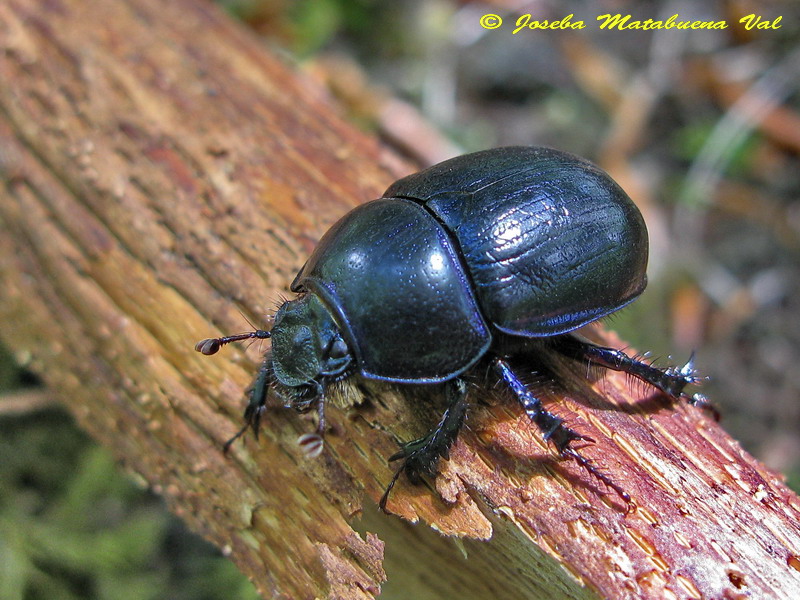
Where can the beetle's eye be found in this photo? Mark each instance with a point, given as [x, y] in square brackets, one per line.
[338, 349]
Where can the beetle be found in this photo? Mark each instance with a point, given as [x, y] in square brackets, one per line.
[478, 260]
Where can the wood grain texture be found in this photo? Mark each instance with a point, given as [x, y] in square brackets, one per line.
[163, 175]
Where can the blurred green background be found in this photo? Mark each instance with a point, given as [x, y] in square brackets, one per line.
[702, 128]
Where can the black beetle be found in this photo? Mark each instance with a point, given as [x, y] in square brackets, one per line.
[472, 260]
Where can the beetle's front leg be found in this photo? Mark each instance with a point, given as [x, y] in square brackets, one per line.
[551, 426]
[671, 380]
[421, 456]
[258, 400]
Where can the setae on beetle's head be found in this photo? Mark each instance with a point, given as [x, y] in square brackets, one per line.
[307, 344]
[308, 353]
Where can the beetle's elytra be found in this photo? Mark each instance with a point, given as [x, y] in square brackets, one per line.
[470, 261]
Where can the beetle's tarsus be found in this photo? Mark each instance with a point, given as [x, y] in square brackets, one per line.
[421, 456]
[227, 445]
[385, 497]
[588, 465]
[256, 407]
[553, 428]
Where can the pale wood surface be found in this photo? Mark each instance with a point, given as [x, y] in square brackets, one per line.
[163, 171]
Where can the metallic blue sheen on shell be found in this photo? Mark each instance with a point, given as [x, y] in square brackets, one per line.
[525, 241]
[396, 287]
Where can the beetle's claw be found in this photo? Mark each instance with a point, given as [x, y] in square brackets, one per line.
[583, 438]
[701, 401]
[677, 378]
[420, 459]
[227, 445]
[563, 436]
[385, 497]
[688, 372]
[687, 375]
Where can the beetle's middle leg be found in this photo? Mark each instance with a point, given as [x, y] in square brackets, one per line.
[551, 426]
[422, 455]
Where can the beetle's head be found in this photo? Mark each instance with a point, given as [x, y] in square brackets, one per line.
[307, 345]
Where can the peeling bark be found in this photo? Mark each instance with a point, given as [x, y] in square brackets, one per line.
[163, 174]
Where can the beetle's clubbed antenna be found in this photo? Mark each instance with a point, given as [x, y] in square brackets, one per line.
[211, 346]
[255, 408]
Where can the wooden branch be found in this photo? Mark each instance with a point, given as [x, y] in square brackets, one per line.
[163, 172]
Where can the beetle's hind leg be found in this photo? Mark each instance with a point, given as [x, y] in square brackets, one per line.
[671, 380]
[552, 427]
[422, 455]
